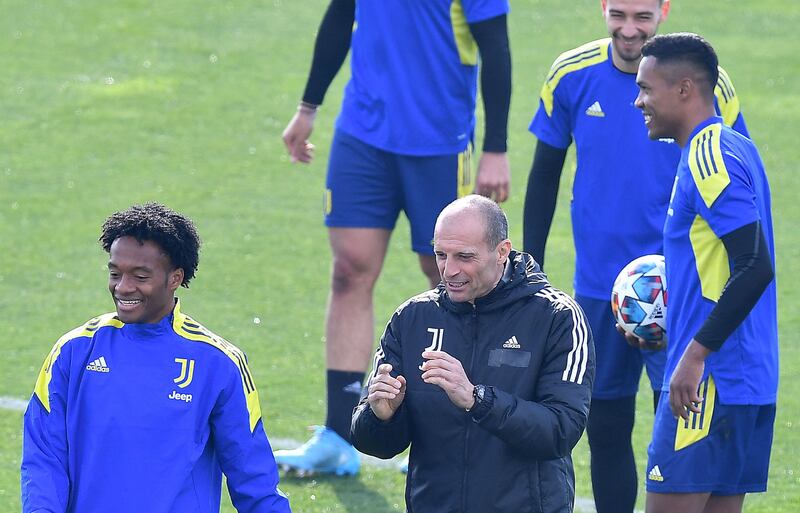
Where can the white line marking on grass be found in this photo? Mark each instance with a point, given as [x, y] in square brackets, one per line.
[582, 504]
[12, 403]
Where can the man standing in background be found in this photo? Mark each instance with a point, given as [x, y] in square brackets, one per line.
[588, 97]
[402, 142]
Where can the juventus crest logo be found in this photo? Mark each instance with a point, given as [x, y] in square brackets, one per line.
[436, 340]
[184, 379]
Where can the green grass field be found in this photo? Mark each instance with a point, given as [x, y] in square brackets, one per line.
[109, 103]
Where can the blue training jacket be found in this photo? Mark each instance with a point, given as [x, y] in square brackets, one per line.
[146, 418]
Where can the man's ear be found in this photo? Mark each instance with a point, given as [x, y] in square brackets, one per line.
[503, 250]
[175, 279]
[686, 87]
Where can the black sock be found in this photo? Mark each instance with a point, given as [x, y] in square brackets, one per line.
[614, 480]
[344, 390]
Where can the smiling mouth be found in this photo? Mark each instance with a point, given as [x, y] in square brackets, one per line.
[128, 302]
[455, 284]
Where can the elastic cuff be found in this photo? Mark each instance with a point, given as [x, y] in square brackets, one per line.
[495, 146]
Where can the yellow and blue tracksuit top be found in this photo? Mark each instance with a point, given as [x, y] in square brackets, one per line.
[146, 418]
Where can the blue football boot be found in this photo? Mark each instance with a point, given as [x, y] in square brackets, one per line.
[325, 453]
[403, 466]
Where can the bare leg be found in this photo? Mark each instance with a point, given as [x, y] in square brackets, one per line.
[358, 255]
[428, 265]
[676, 502]
[725, 504]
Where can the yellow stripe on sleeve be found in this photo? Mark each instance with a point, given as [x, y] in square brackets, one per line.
[42, 387]
[707, 165]
[726, 98]
[568, 62]
[465, 43]
[188, 328]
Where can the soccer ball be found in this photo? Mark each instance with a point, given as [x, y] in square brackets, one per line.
[639, 298]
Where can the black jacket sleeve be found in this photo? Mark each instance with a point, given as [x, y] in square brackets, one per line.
[550, 426]
[491, 37]
[330, 49]
[368, 433]
[540, 198]
[752, 273]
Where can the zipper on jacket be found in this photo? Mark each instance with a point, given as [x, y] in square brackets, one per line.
[469, 418]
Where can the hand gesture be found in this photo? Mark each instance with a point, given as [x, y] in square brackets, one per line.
[386, 393]
[494, 176]
[296, 135]
[441, 369]
[683, 396]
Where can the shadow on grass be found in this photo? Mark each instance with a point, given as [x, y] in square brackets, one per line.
[352, 494]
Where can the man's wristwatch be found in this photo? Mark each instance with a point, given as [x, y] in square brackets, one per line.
[479, 394]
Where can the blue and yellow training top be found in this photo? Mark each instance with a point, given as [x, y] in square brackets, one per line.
[621, 186]
[146, 418]
[414, 74]
[720, 187]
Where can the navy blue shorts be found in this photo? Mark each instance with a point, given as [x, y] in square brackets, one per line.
[723, 450]
[618, 367]
[367, 188]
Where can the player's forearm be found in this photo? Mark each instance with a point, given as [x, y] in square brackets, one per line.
[492, 38]
[540, 198]
[330, 49]
[752, 272]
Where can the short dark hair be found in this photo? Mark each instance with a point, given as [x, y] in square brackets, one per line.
[174, 233]
[686, 48]
[496, 222]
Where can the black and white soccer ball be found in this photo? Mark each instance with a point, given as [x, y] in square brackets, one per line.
[639, 298]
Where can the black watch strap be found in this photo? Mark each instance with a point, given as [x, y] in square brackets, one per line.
[484, 398]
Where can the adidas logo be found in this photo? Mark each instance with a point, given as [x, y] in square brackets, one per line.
[353, 388]
[98, 365]
[655, 474]
[595, 110]
[511, 343]
[657, 313]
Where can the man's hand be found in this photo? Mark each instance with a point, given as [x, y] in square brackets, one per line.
[639, 342]
[494, 176]
[386, 393]
[685, 380]
[296, 135]
[447, 373]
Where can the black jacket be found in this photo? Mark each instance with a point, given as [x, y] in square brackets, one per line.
[531, 343]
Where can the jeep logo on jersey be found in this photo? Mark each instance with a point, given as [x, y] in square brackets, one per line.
[184, 379]
[176, 396]
[436, 341]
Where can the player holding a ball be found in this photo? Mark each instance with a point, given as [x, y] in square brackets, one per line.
[587, 98]
[713, 428]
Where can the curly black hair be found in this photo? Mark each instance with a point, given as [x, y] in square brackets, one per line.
[173, 232]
